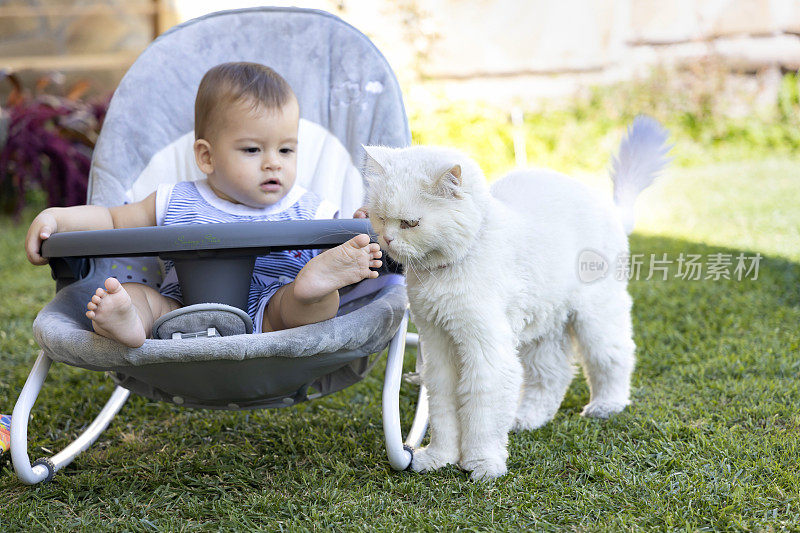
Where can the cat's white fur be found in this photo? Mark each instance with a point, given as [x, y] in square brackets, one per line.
[495, 293]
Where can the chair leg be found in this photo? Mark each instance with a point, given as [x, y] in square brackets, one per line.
[43, 469]
[400, 454]
[420, 424]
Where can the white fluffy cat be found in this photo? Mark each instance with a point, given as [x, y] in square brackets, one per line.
[495, 291]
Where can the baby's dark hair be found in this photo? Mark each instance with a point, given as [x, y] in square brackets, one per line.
[228, 83]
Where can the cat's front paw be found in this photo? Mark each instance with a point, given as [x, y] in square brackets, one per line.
[603, 408]
[530, 421]
[485, 469]
[428, 460]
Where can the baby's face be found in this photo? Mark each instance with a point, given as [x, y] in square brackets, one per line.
[254, 154]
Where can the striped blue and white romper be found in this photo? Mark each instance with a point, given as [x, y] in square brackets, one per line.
[193, 202]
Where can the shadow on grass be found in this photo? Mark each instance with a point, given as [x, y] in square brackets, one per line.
[710, 439]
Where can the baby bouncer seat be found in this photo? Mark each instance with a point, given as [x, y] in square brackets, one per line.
[205, 356]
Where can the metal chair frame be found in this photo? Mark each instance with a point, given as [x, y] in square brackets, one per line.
[399, 451]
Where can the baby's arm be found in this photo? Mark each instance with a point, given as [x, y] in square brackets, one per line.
[86, 217]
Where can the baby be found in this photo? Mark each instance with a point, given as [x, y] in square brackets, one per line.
[246, 122]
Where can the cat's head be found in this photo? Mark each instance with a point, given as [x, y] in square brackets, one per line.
[426, 204]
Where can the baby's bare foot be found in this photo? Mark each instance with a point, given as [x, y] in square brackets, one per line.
[114, 316]
[336, 268]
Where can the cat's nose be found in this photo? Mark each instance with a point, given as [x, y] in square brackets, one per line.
[388, 240]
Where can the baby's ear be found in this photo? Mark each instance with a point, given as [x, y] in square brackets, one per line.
[202, 156]
[448, 184]
[373, 167]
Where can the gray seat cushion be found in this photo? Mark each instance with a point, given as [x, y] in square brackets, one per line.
[65, 334]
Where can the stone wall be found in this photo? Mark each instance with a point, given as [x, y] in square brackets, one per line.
[525, 49]
[510, 50]
[95, 39]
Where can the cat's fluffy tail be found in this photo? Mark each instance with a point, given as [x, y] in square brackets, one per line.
[642, 156]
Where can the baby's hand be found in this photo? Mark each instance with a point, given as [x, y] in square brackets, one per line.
[361, 212]
[41, 228]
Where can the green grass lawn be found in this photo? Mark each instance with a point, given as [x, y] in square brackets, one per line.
[710, 441]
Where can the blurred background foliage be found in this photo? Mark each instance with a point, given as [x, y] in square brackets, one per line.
[580, 133]
[49, 130]
[720, 102]
[47, 134]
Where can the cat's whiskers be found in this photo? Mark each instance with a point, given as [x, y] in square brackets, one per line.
[423, 284]
[427, 269]
[413, 270]
[430, 271]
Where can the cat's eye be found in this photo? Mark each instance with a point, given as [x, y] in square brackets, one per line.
[409, 223]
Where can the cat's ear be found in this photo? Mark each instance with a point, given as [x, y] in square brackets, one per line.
[448, 184]
[372, 166]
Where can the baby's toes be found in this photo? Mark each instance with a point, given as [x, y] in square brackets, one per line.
[91, 306]
[112, 284]
[365, 256]
[359, 241]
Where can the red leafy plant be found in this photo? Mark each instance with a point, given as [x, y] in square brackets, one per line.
[46, 143]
